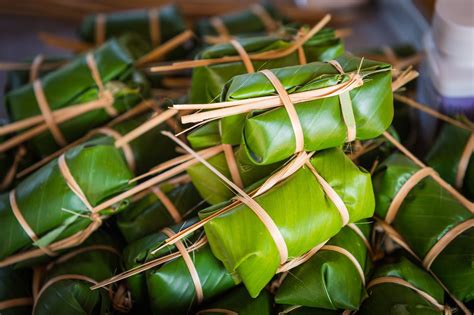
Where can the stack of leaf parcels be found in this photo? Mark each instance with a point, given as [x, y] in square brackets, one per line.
[247, 166]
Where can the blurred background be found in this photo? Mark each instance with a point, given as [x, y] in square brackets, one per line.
[364, 23]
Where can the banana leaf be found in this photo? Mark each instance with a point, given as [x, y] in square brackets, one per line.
[208, 81]
[240, 302]
[329, 279]
[52, 210]
[427, 214]
[76, 297]
[73, 84]
[392, 298]
[210, 185]
[149, 215]
[171, 23]
[303, 213]
[445, 156]
[168, 288]
[239, 23]
[268, 137]
[16, 284]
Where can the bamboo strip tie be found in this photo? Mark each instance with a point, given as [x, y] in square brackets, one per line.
[244, 55]
[16, 302]
[232, 165]
[10, 175]
[290, 109]
[168, 204]
[35, 67]
[268, 22]
[189, 264]
[155, 31]
[346, 106]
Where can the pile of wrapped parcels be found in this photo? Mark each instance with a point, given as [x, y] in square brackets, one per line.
[250, 165]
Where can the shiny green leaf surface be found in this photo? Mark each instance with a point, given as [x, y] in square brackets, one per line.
[303, 213]
[46, 201]
[391, 298]
[168, 288]
[426, 215]
[75, 297]
[210, 185]
[445, 156]
[73, 84]
[328, 279]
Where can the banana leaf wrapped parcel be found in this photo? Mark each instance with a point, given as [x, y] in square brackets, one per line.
[336, 192]
[178, 283]
[238, 301]
[70, 277]
[209, 80]
[155, 25]
[256, 19]
[402, 287]
[16, 296]
[64, 104]
[452, 157]
[162, 206]
[437, 225]
[334, 277]
[335, 102]
[57, 206]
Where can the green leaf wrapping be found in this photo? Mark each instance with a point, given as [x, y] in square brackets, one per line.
[149, 215]
[329, 279]
[392, 298]
[171, 23]
[46, 201]
[15, 284]
[210, 185]
[239, 301]
[268, 136]
[302, 212]
[168, 288]
[445, 156]
[73, 84]
[428, 213]
[208, 81]
[241, 22]
[76, 297]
